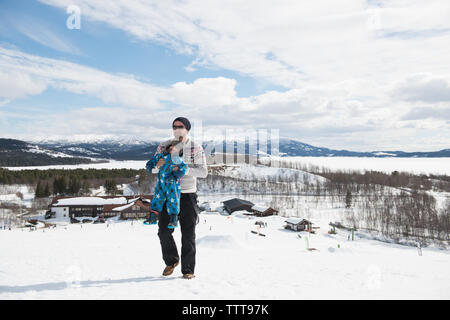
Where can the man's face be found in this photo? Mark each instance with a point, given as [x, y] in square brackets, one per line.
[179, 130]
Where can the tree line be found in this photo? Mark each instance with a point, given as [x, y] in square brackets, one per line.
[394, 179]
[69, 182]
[33, 176]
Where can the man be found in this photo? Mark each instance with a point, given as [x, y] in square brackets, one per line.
[194, 156]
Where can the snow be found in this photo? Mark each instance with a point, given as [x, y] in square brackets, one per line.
[112, 164]
[85, 138]
[122, 260]
[259, 208]
[388, 164]
[123, 207]
[51, 153]
[251, 172]
[90, 201]
[384, 154]
[8, 193]
[294, 220]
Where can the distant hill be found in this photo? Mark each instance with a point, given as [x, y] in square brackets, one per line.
[116, 150]
[21, 153]
[291, 147]
[294, 148]
[17, 153]
[143, 150]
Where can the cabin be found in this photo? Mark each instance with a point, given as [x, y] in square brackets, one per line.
[237, 204]
[297, 224]
[136, 210]
[261, 211]
[77, 208]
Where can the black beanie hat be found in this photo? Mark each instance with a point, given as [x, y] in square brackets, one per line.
[185, 121]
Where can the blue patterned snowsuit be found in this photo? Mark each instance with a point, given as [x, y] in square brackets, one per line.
[168, 184]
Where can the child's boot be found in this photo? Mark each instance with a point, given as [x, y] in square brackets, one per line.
[153, 218]
[173, 221]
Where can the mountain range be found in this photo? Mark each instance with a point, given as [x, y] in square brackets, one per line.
[49, 152]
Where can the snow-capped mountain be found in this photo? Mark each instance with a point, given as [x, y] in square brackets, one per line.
[292, 148]
[86, 139]
[126, 148]
[105, 149]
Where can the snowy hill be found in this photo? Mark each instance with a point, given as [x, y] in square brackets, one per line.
[261, 172]
[130, 148]
[21, 153]
[123, 260]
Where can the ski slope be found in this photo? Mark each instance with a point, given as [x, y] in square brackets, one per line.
[122, 260]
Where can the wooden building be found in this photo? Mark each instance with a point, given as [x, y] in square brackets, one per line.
[237, 204]
[127, 207]
[263, 211]
[298, 224]
[137, 210]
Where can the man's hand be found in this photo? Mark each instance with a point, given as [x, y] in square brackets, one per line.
[175, 168]
[160, 163]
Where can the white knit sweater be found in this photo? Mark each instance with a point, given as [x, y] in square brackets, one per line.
[194, 156]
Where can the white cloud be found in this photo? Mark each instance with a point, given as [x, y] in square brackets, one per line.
[425, 88]
[348, 67]
[23, 74]
[140, 109]
[38, 31]
[421, 113]
[289, 43]
[15, 85]
[204, 92]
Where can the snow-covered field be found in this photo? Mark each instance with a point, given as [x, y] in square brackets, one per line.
[257, 172]
[124, 261]
[19, 194]
[112, 164]
[414, 165]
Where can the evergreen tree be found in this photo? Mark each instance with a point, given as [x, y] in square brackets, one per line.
[47, 190]
[111, 187]
[348, 199]
[59, 185]
[85, 188]
[74, 186]
[38, 193]
[55, 186]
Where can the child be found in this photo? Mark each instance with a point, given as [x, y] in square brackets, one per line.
[168, 184]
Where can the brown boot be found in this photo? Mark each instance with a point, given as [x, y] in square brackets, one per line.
[188, 276]
[168, 270]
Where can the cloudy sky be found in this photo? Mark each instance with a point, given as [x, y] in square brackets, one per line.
[360, 75]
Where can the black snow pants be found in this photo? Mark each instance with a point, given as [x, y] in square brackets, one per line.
[188, 219]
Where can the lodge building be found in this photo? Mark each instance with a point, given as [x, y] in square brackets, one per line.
[99, 207]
